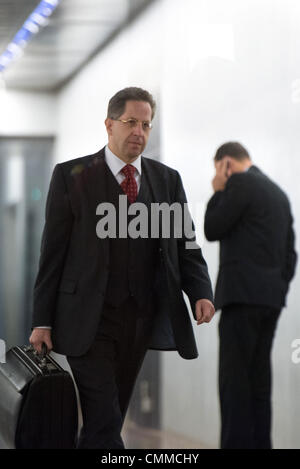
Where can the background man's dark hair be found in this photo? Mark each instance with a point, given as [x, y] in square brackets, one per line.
[117, 103]
[233, 149]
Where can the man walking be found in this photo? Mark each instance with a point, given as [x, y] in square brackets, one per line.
[251, 217]
[103, 301]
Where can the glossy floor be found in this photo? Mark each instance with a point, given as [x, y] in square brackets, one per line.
[136, 437]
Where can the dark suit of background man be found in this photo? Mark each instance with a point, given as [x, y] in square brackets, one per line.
[251, 217]
[106, 301]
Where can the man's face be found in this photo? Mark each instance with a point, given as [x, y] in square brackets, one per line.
[127, 141]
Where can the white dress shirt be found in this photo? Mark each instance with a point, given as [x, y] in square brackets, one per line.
[116, 165]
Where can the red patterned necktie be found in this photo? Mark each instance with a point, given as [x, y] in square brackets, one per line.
[129, 184]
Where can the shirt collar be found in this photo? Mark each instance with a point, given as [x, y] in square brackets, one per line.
[115, 164]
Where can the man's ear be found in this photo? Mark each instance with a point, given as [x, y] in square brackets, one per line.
[228, 166]
[108, 124]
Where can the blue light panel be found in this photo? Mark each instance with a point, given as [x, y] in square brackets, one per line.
[36, 20]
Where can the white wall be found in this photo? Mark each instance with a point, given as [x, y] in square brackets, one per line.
[232, 75]
[24, 114]
[225, 70]
[134, 59]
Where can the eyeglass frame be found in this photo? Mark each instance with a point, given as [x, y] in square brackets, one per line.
[132, 119]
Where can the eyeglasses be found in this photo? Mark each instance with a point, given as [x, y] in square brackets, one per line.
[133, 123]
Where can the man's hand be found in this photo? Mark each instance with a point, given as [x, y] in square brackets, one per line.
[40, 336]
[221, 177]
[204, 311]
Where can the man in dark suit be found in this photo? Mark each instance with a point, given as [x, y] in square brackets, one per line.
[104, 300]
[251, 217]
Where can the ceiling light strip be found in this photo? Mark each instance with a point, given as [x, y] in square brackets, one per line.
[35, 21]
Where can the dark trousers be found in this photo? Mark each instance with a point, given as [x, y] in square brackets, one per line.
[246, 335]
[106, 374]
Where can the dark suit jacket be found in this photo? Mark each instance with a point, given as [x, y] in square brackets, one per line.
[253, 221]
[74, 263]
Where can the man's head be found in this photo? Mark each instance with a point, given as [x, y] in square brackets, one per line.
[128, 123]
[237, 157]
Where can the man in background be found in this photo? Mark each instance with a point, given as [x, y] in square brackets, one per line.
[251, 217]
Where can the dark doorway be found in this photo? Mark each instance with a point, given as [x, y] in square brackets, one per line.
[25, 165]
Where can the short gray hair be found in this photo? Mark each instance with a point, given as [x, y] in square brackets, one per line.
[117, 103]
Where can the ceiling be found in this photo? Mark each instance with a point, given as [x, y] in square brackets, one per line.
[77, 30]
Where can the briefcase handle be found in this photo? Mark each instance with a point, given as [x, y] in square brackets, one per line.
[44, 351]
[41, 357]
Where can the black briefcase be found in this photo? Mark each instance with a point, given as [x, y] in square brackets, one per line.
[38, 405]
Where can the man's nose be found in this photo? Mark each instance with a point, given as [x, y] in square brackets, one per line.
[138, 129]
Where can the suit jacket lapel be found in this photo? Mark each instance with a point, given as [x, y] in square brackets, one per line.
[95, 180]
[156, 181]
[96, 186]
[158, 186]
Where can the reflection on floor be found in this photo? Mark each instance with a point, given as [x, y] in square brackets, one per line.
[136, 437]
